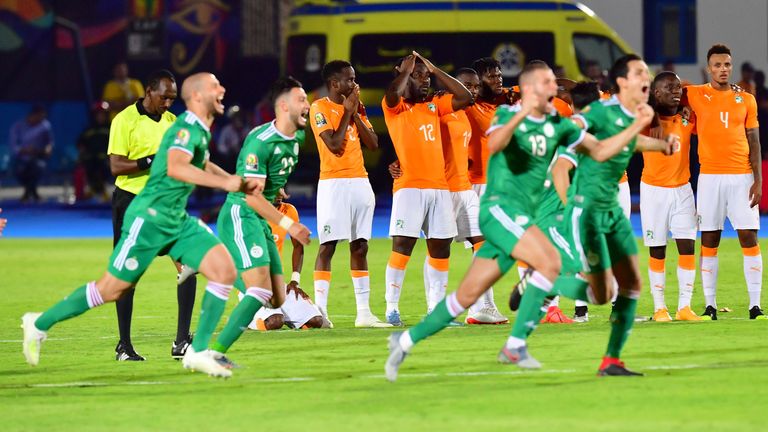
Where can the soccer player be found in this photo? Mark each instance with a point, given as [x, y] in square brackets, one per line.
[269, 155]
[667, 204]
[157, 222]
[345, 200]
[522, 140]
[421, 200]
[601, 231]
[134, 138]
[731, 179]
[297, 311]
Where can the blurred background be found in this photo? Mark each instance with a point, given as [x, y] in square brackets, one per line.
[70, 65]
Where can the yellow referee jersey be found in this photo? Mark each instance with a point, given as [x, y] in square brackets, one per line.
[134, 134]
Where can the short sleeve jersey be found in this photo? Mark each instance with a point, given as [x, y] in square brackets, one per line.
[415, 132]
[721, 117]
[480, 114]
[164, 199]
[325, 115]
[279, 233]
[270, 155]
[673, 170]
[597, 182]
[456, 132]
[134, 134]
[517, 173]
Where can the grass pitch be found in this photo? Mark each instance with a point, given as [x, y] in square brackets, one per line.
[700, 376]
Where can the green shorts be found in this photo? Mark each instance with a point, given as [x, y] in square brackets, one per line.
[601, 237]
[502, 225]
[248, 238]
[553, 228]
[142, 240]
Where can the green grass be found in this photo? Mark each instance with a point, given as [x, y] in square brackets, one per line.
[700, 376]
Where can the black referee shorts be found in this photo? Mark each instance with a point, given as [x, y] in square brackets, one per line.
[121, 199]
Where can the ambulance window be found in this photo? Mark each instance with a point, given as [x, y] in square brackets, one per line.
[591, 47]
[305, 58]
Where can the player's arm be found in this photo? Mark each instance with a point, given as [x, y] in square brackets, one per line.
[267, 210]
[755, 161]
[500, 135]
[118, 149]
[297, 258]
[365, 129]
[215, 169]
[561, 176]
[180, 168]
[602, 150]
[335, 140]
[397, 87]
[667, 146]
[461, 96]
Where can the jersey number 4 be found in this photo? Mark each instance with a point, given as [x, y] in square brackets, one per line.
[724, 118]
[538, 145]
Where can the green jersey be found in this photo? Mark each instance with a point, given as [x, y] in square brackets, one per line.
[597, 183]
[164, 199]
[551, 205]
[518, 172]
[270, 155]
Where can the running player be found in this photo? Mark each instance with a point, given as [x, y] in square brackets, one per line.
[421, 200]
[345, 200]
[157, 223]
[522, 140]
[667, 204]
[731, 180]
[269, 155]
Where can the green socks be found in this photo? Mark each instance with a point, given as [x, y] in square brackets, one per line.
[214, 301]
[529, 313]
[238, 322]
[622, 320]
[440, 317]
[82, 299]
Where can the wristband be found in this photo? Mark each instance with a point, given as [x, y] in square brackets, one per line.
[145, 163]
[286, 223]
[296, 277]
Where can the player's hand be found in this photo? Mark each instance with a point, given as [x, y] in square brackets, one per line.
[234, 183]
[300, 233]
[755, 193]
[352, 101]
[532, 101]
[408, 64]
[361, 108]
[644, 115]
[512, 97]
[293, 286]
[394, 169]
[686, 112]
[252, 186]
[673, 144]
[430, 67]
[283, 194]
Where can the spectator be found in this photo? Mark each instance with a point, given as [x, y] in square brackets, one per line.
[596, 73]
[121, 91]
[747, 75]
[231, 138]
[560, 72]
[31, 142]
[761, 96]
[92, 149]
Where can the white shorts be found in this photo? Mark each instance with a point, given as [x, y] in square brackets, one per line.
[417, 210]
[625, 199]
[726, 195]
[479, 188]
[466, 209]
[296, 311]
[664, 210]
[344, 209]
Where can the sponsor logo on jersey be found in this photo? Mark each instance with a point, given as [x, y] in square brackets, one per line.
[619, 122]
[523, 128]
[326, 229]
[257, 251]
[277, 150]
[549, 130]
[131, 264]
[709, 98]
[320, 120]
[649, 235]
[251, 162]
[182, 137]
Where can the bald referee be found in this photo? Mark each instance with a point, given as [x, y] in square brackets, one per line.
[134, 138]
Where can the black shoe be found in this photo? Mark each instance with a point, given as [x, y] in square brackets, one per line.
[757, 313]
[712, 313]
[125, 352]
[617, 370]
[517, 292]
[178, 349]
[581, 314]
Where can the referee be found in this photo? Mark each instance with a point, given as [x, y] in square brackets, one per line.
[134, 138]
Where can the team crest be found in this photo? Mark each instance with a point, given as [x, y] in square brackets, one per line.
[549, 130]
[131, 264]
[326, 229]
[400, 224]
[685, 122]
[649, 235]
[182, 137]
[257, 251]
[522, 220]
[739, 99]
[251, 162]
[431, 107]
[593, 258]
[320, 120]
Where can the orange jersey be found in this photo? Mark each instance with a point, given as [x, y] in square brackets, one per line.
[562, 107]
[480, 115]
[415, 132]
[456, 132]
[325, 115]
[278, 233]
[721, 119]
[674, 170]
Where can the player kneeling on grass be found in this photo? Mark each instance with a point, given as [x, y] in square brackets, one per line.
[269, 155]
[522, 141]
[297, 312]
[157, 223]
